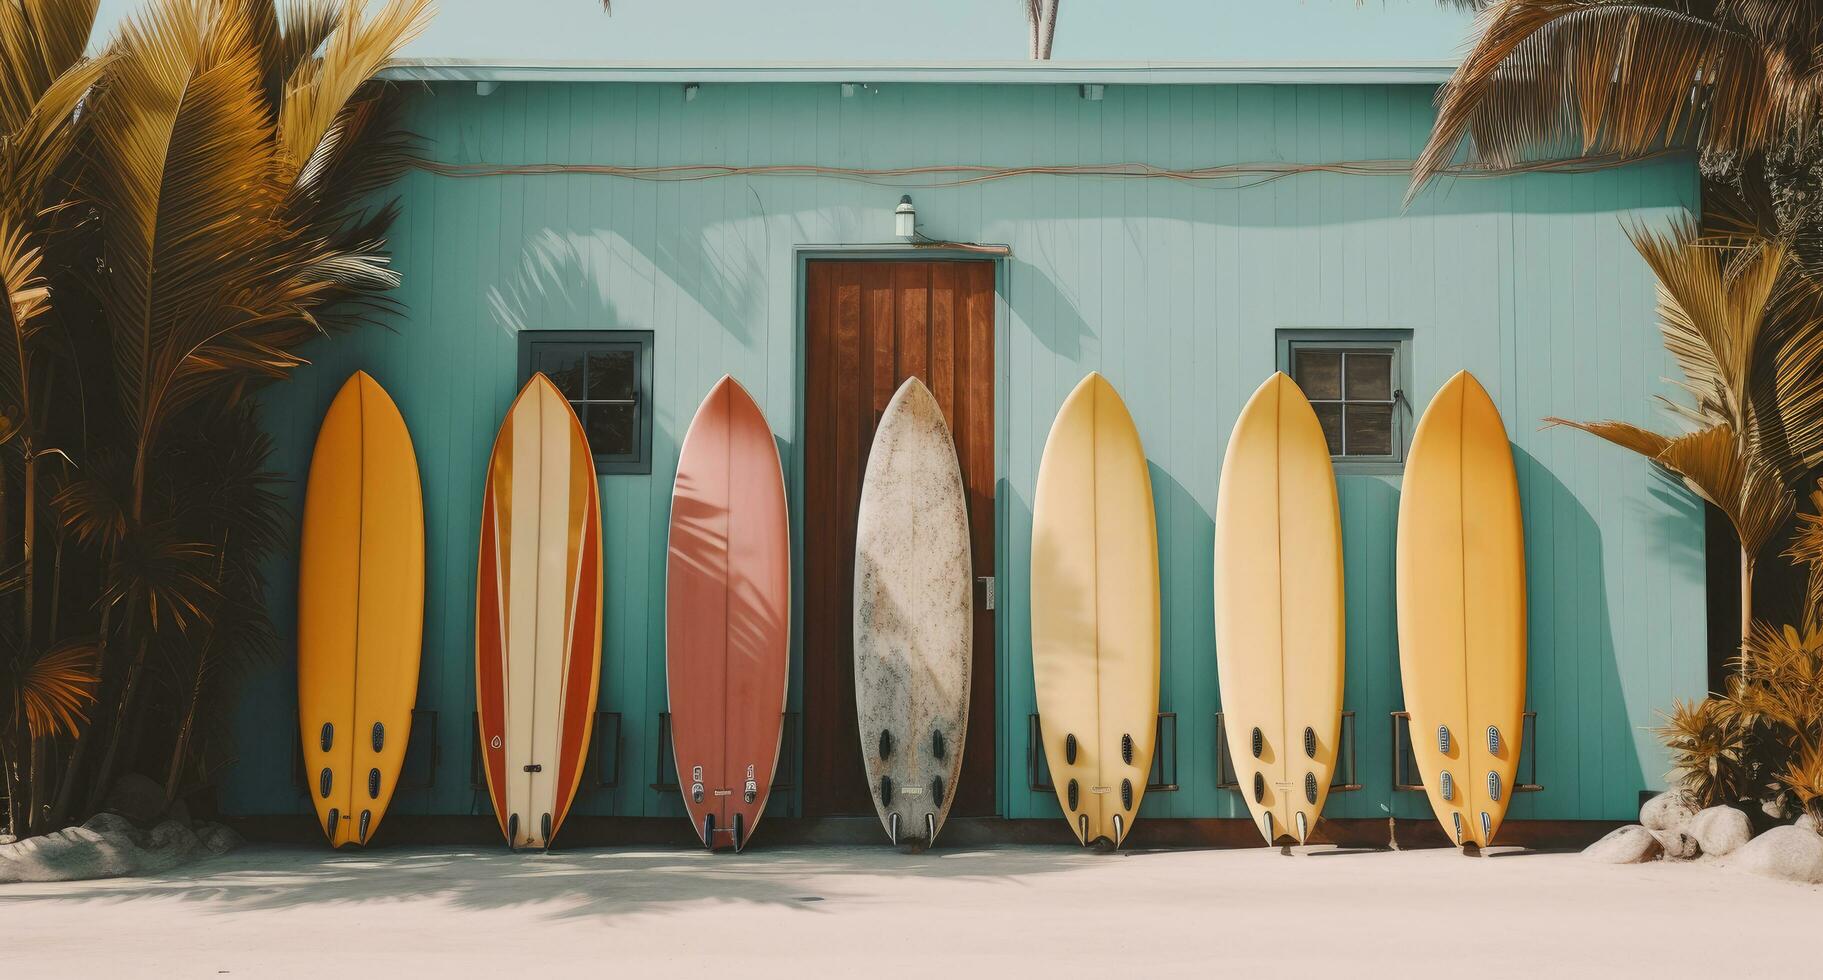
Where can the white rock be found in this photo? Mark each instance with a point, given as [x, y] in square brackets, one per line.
[106, 847]
[137, 798]
[1676, 844]
[218, 838]
[1667, 811]
[1792, 853]
[1631, 844]
[1720, 830]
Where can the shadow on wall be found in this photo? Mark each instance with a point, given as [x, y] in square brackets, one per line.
[561, 282]
[1050, 307]
[1588, 762]
[1186, 546]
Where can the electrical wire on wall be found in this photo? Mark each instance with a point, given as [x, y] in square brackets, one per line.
[1233, 176]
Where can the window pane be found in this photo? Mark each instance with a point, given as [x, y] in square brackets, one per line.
[1370, 377]
[610, 429]
[564, 368]
[1370, 430]
[1331, 417]
[1319, 373]
[611, 375]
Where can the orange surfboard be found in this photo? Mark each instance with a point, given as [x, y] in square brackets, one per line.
[727, 615]
[538, 614]
[360, 609]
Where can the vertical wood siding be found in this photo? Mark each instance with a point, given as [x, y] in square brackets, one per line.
[1173, 290]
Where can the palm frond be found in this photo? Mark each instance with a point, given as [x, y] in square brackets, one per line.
[197, 258]
[1553, 77]
[40, 40]
[320, 89]
[1623, 434]
[51, 691]
[1715, 465]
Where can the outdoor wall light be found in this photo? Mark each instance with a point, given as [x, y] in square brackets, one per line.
[905, 218]
[1092, 92]
[690, 90]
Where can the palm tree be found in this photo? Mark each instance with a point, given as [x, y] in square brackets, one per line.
[43, 76]
[1748, 337]
[232, 155]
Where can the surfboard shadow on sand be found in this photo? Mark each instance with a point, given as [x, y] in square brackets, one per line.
[593, 884]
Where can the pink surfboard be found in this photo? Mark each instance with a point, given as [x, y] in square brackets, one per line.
[727, 615]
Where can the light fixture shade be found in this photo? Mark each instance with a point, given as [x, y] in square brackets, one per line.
[905, 218]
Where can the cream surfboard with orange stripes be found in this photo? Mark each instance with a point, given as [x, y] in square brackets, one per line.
[538, 614]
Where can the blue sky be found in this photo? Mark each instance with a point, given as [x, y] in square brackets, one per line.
[933, 30]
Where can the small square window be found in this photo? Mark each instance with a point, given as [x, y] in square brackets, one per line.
[607, 377]
[1352, 379]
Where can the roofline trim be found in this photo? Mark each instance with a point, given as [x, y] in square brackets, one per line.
[970, 72]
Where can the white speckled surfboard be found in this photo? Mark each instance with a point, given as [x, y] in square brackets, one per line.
[913, 630]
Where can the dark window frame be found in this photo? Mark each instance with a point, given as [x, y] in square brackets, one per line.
[640, 342]
[1345, 341]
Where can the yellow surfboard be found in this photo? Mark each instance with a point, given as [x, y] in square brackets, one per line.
[1095, 617]
[360, 609]
[1462, 615]
[1278, 609]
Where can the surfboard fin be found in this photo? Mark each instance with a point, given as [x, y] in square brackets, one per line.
[1493, 740]
[1443, 739]
[544, 829]
[335, 818]
[1310, 742]
[1120, 830]
[892, 829]
[709, 831]
[740, 837]
[1271, 836]
[1456, 818]
[512, 830]
[1493, 786]
[930, 829]
[1487, 829]
[1303, 828]
[366, 822]
[1069, 749]
[1446, 787]
[1082, 821]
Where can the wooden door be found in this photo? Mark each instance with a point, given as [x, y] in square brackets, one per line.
[868, 327]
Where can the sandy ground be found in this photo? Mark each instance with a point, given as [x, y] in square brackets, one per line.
[812, 912]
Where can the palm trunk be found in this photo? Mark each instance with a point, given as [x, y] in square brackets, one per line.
[129, 691]
[182, 747]
[1747, 564]
[29, 535]
[34, 799]
[9, 764]
[72, 771]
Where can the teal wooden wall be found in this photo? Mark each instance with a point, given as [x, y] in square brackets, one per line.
[1174, 291]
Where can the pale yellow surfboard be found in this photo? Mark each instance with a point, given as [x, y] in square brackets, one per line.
[1279, 610]
[1095, 613]
[1462, 617]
